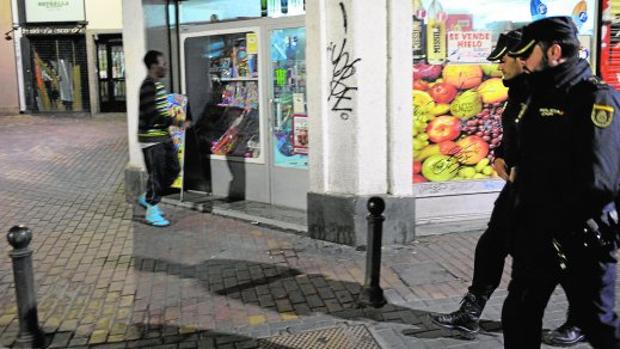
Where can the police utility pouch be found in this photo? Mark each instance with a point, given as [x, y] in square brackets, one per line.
[602, 235]
[593, 237]
[598, 239]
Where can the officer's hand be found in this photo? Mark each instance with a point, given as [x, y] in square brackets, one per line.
[500, 167]
[513, 174]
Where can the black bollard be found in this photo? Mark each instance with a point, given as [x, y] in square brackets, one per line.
[30, 335]
[372, 293]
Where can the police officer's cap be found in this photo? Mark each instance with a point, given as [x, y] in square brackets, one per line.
[547, 29]
[506, 42]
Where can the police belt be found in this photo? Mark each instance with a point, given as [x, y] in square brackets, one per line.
[601, 231]
[592, 235]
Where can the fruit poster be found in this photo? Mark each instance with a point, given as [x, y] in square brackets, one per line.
[457, 112]
[458, 98]
[177, 105]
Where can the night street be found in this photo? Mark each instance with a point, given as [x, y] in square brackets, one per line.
[104, 279]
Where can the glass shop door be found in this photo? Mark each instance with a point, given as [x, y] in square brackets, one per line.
[288, 124]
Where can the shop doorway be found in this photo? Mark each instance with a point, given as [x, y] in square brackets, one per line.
[111, 73]
[246, 87]
[288, 116]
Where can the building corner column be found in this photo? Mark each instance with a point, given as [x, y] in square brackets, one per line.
[134, 47]
[400, 95]
[358, 147]
[91, 59]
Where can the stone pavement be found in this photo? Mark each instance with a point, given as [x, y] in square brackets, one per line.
[106, 280]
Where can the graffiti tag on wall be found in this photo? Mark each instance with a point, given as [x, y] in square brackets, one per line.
[343, 68]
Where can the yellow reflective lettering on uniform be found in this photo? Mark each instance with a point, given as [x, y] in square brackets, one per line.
[602, 115]
[550, 112]
[521, 112]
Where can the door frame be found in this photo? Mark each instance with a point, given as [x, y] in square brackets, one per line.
[261, 88]
[111, 105]
[279, 176]
[263, 28]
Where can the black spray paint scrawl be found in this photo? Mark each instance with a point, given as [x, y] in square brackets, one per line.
[343, 68]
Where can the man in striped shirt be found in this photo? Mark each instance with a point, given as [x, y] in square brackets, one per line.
[160, 154]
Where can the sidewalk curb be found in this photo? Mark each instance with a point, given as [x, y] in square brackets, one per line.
[272, 223]
[214, 205]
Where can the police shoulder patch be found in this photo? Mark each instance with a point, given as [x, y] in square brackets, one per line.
[602, 115]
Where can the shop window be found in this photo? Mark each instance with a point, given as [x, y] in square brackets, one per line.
[610, 43]
[60, 74]
[201, 11]
[458, 96]
[290, 121]
[102, 58]
[280, 8]
[222, 79]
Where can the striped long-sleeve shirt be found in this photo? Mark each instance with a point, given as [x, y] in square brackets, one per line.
[154, 117]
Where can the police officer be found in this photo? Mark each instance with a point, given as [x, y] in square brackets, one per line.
[567, 179]
[491, 248]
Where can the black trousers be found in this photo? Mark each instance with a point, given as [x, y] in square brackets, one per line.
[162, 165]
[588, 280]
[492, 246]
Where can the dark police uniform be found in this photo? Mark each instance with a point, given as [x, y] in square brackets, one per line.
[491, 249]
[567, 181]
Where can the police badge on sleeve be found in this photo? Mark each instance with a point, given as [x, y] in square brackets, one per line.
[602, 115]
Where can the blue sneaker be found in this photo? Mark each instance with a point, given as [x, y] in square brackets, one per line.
[142, 202]
[153, 217]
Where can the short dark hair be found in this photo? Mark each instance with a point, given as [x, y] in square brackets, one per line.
[570, 46]
[151, 58]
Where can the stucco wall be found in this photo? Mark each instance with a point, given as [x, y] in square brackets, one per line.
[104, 14]
[104, 17]
[134, 48]
[360, 96]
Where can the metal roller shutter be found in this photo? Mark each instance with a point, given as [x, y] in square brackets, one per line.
[60, 73]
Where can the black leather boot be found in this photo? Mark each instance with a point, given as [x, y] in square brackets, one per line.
[565, 335]
[466, 318]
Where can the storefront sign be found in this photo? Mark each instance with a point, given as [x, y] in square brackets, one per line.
[53, 30]
[38, 11]
[469, 46]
